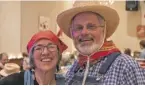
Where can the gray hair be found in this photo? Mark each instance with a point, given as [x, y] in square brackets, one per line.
[31, 61]
[1, 55]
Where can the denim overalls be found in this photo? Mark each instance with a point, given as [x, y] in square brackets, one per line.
[99, 78]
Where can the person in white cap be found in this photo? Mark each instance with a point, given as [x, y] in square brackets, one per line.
[89, 24]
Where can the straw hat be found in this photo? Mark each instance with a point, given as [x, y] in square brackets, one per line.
[110, 15]
[10, 68]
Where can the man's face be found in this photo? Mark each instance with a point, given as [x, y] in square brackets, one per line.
[4, 59]
[87, 33]
[45, 55]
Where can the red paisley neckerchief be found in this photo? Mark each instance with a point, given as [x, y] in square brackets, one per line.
[107, 48]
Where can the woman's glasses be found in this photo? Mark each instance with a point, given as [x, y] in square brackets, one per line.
[49, 47]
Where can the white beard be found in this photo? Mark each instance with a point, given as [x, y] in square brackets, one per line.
[88, 49]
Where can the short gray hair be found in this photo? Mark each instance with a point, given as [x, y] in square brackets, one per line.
[1, 55]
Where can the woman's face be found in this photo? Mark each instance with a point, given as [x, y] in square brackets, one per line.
[45, 55]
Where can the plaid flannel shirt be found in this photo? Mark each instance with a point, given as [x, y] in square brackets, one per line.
[123, 71]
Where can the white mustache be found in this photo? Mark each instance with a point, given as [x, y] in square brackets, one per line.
[85, 38]
[81, 40]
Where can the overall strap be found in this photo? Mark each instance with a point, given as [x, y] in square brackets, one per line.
[108, 62]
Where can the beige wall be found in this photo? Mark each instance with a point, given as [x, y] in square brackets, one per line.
[30, 12]
[142, 6]
[125, 35]
[10, 21]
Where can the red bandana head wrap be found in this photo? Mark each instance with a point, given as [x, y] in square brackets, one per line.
[48, 35]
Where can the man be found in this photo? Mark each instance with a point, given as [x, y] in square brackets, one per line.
[3, 60]
[90, 24]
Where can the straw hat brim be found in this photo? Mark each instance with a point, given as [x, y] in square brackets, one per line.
[110, 15]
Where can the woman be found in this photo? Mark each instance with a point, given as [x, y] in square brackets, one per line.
[45, 51]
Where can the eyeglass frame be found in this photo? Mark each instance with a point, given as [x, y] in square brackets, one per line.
[92, 26]
[48, 46]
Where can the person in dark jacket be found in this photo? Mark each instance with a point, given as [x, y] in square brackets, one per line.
[45, 50]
